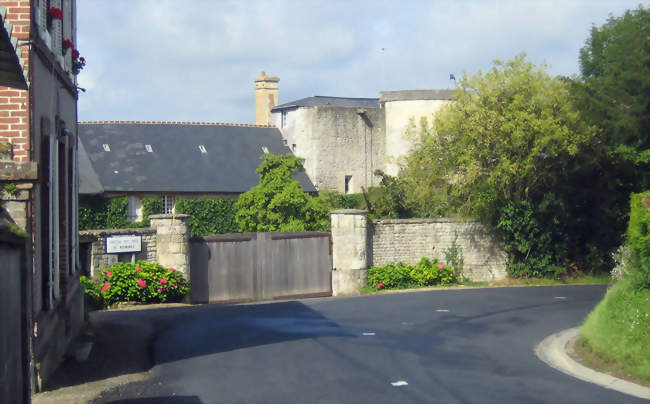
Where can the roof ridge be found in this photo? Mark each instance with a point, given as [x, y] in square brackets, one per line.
[343, 98]
[174, 123]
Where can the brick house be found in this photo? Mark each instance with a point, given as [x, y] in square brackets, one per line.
[39, 123]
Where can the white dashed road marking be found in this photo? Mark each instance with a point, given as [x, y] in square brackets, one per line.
[399, 383]
[442, 310]
[369, 333]
[560, 297]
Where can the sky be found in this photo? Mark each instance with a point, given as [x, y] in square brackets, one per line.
[196, 60]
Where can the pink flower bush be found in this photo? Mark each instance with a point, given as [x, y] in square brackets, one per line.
[142, 283]
[138, 269]
[171, 269]
[441, 266]
[108, 274]
[106, 286]
[380, 285]
[160, 290]
[163, 281]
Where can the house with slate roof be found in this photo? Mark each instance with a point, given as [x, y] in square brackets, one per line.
[174, 160]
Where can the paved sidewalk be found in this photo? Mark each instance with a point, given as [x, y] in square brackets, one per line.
[121, 353]
[553, 351]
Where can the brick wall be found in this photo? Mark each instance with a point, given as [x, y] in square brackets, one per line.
[408, 240]
[14, 104]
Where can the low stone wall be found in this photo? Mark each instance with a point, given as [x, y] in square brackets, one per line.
[408, 240]
[99, 259]
[166, 242]
[359, 243]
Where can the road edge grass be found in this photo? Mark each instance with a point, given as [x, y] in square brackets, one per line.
[603, 279]
[614, 337]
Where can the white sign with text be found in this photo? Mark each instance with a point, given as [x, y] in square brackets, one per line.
[123, 244]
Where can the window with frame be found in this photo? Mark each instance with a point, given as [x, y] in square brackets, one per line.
[167, 202]
[284, 119]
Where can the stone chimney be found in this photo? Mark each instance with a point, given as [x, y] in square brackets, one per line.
[266, 97]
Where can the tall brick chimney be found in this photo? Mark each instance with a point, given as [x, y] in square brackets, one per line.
[266, 97]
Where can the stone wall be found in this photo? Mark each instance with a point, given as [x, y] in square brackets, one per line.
[99, 259]
[408, 240]
[358, 244]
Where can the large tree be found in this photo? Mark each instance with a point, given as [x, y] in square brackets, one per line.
[504, 152]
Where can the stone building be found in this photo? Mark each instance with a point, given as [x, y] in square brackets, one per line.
[344, 141]
[39, 123]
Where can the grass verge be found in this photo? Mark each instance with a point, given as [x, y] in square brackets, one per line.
[575, 280]
[615, 336]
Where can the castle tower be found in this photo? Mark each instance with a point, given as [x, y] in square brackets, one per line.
[266, 97]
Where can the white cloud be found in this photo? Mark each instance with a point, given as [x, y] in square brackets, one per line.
[156, 60]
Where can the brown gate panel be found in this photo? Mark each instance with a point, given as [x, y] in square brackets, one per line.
[261, 266]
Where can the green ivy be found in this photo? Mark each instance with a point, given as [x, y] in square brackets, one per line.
[209, 216]
[96, 212]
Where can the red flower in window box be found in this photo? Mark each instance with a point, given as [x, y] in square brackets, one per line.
[66, 43]
[75, 54]
[55, 13]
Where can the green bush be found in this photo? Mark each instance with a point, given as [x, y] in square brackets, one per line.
[427, 272]
[534, 237]
[145, 282]
[638, 240]
[209, 216]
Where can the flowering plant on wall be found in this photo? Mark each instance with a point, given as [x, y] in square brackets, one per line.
[66, 44]
[55, 13]
[78, 63]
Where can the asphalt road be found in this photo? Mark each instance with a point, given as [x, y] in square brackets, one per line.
[443, 346]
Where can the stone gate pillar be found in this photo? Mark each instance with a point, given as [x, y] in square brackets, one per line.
[349, 251]
[173, 241]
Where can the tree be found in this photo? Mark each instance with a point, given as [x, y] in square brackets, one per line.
[278, 203]
[504, 150]
[613, 94]
[614, 89]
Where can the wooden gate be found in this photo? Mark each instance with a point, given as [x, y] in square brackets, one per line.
[260, 266]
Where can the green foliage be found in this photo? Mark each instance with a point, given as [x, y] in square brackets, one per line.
[96, 212]
[343, 201]
[394, 275]
[618, 330]
[427, 272]
[454, 257]
[11, 188]
[615, 83]
[387, 200]
[534, 237]
[638, 241]
[146, 282]
[278, 203]
[209, 216]
[508, 152]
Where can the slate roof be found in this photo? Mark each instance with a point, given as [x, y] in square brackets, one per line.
[175, 163]
[322, 101]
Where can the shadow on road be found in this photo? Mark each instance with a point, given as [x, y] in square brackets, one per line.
[125, 341]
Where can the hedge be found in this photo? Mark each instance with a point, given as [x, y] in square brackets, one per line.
[638, 239]
[96, 212]
[209, 216]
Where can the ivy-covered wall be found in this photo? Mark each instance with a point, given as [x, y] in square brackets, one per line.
[209, 216]
[96, 212]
